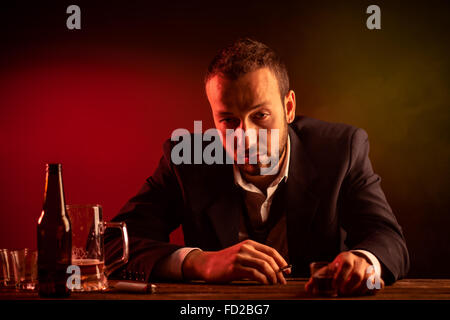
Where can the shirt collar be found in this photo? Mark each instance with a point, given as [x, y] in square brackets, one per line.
[282, 174]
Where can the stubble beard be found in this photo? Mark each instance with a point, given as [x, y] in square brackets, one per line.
[255, 169]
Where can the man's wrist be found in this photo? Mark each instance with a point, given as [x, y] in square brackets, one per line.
[370, 258]
[190, 268]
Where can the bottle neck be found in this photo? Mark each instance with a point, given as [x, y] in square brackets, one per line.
[54, 202]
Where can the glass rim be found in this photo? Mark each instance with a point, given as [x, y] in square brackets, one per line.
[27, 250]
[78, 206]
[18, 250]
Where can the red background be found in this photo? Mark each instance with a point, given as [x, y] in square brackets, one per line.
[101, 100]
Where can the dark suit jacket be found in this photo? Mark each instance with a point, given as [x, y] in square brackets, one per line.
[333, 202]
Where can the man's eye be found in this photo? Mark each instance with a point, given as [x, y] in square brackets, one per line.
[261, 115]
[228, 121]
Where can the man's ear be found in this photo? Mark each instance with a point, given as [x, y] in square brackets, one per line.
[289, 104]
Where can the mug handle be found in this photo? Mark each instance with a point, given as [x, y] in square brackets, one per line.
[125, 255]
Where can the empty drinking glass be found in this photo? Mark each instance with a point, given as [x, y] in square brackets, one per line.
[25, 265]
[8, 276]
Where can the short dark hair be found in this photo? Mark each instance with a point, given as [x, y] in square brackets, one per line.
[246, 55]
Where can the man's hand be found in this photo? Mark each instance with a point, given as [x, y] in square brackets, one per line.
[245, 260]
[350, 275]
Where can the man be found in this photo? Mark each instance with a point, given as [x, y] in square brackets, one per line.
[323, 202]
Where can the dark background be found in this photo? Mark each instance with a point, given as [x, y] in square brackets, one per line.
[101, 100]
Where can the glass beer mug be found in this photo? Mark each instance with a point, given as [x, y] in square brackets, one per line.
[88, 251]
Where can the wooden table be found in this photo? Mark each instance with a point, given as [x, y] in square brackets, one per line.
[408, 289]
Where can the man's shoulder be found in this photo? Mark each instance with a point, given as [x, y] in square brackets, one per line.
[314, 129]
[327, 143]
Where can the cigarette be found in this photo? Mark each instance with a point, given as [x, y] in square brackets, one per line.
[131, 286]
[285, 267]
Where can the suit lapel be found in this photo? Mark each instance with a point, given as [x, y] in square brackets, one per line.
[301, 201]
[225, 204]
[225, 215]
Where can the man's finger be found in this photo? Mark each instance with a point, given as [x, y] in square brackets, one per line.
[261, 265]
[288, 270]
[260, 255]
[356, 277]
[270, 252]
[344, 269]
[243, 272]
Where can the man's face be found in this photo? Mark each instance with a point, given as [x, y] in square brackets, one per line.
[251, 102]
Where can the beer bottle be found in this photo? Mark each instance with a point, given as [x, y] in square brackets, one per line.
[54, 237]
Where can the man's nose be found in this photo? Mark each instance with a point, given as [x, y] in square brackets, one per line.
[250, 131]
[246, 124]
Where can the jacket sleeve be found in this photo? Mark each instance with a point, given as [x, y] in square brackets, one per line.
[366, 215]
[150, 216]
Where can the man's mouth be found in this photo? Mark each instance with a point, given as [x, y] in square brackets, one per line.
[250, 156]
[254, 157]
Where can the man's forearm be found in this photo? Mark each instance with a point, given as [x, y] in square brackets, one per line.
[190, 267]
[171, 267]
